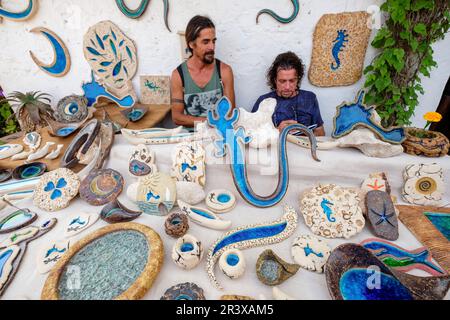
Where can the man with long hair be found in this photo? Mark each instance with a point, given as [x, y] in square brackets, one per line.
[293, 104]
[202, 80]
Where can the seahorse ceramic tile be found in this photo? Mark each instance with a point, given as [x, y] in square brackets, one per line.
[424, 184]
[339, 48]
[79, 222]
[332, 211]
[189, 162]
[310, 252]
[155, 89]
[49, 254]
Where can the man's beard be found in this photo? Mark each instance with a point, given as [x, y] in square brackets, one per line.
[208, 58]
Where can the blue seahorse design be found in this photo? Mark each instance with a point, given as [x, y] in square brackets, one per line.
[309, 251]
[150, 195]
[281, 19]
[185, 166]
[340, 40]
[223, 118]
[54, 249]
[77, 221]
[327, 210]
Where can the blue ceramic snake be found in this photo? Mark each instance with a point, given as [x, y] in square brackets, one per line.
[277, 17]
[234, 140]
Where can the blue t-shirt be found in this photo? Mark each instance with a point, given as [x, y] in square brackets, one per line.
[303, 108]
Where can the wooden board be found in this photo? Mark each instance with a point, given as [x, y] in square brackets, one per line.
[414, 219]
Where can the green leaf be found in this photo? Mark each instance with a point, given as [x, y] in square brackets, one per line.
[421, 29]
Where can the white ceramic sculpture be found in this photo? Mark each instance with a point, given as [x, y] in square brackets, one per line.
[204, 217]
[220, 201]
[232, 263]
[187, 252]
[41, 153]
[55, 153]
[8, 150]
[189, 162]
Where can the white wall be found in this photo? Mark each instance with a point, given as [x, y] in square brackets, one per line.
[247, 47]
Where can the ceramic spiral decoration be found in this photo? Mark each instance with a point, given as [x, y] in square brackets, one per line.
[187, 252]
[424, 184]
[291, 18]
[101, 187]
[232, 263]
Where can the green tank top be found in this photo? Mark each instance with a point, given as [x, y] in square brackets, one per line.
[197, 101]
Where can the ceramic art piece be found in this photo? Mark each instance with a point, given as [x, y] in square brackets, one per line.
[157, 136]
[434, 144]
[220, 200]
[251, 236]
[204, 217]
[139, 11]
[71, 109]
[190, 192]
[49, 254]
[101, 187]
[5, 175]
[271, 13]
[155, 89]
[310, 252]
[376, 181]
[189, 162]
[339, 48]
[8, 150]
[332, 211]
[29, 170]
[61, 63]
[55, 153]
[142, 161]
[323, 143]
[272, 270]
[381, 215]
[187, 252]
[135, 113]
[232, 263]
[78, 222]
[116, 212]
[33, 141]
[402, 259]
[354, 273]
[233, 139]
[16, 220]
[41, 153]
[123, 261]
[20, 186]
[431, 226]
[176, 224]
[64, 129]
[22, 15]
[56, 189]
[184, 291]
[423, 184]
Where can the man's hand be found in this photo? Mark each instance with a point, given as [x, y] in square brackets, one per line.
[286, 123]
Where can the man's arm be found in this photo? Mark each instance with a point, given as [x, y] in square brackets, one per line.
[177, 100]
[319, 132]
[228, 82]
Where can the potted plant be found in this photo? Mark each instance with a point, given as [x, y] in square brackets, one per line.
[32, 109]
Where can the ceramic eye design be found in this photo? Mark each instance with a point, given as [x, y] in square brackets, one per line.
[187, 252]
[232, 263]
[220, 201]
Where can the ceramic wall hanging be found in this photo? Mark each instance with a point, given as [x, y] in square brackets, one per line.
[435, 145]
[187, 252]
[139, 11]
[332, 211]
[157, 136]
[79, 222]
[402, 259]
[29, 170]
[310, 252]
[142, 161]
[17, 220]
[431, 226]
[14, 247]
[251, 236]
[176, 224]
[189, 162]
[116, 212]
[127, 257]
[259, 124]
[153, 191]
[61, 63]
[354, 273]
[272, 270]
[220, 200]
[101, 187]
[232, 139]
[56, 189]
[55, 153]
[291, 18]
[135, 113]
[71, 109]
[190, 192]
[49, 254]
[204, 217]
[8, 150]
[25, 14]
[5, 175]
[339, 49]
[381, 214]
[423, 184]
[232, 263]
[352, 115]
[155, 89]
[41, 153]
[184, 291]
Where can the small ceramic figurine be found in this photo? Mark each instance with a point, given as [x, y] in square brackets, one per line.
[220, 201]
[55, 153]
[232, 263]
[41, 153]
[187, 252]
[204, 217]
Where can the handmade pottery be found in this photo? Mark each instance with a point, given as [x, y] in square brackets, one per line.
[116, 212]
[5, 175]
[49, 254]
[376, 181]
[272, 270]
[19, 187]
[55, 153]
[381, 214]
[220, 201]
[204, 217]
[310, 252]
[189, 162]
[423, 184]
[323, 143]
[184, 291]
[402, 259]
[29, 170]
[151, 133]
[56, 189]
[134, 114]
[41, 153]
[435, 144]
[8, 150]
[187, 252]
[101, 187]
[353, 273]
[251, 236]
[280, 295]
[17, 220]
[79, 222]
[71, 109]
[142, 161]
[232, 263]
[176, 225]
[32, 140]
[190, 192]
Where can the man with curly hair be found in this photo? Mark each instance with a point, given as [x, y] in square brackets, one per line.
[293, 104]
